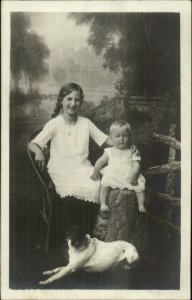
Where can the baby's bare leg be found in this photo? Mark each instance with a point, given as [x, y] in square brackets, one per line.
[104, 192]
[141, 201]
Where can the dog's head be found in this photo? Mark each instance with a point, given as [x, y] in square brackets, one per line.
[77, 237]
[133, 256]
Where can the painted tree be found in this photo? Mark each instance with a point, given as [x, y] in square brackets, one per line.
[35, 67]
[20, 23]
[144, 47]
[28, 53]
[59, 74]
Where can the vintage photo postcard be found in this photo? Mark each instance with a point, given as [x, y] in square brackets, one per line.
[96, 150]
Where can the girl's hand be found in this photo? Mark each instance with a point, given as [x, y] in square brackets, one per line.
[40, 159]
[95, 175]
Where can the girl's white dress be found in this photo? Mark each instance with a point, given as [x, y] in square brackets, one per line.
[68, 165]
[118, 171]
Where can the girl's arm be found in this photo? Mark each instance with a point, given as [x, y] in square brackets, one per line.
[39, 155]
[39, 142]
[98, 136]
[98, 166]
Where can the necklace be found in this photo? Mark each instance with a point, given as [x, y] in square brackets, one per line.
[70, 128]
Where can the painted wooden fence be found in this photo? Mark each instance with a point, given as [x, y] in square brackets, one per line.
[168, 197]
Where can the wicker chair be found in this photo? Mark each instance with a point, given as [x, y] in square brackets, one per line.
[48, 189]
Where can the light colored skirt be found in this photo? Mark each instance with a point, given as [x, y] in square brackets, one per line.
[76, 182]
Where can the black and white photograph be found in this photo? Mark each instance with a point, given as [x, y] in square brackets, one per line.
[96, 150]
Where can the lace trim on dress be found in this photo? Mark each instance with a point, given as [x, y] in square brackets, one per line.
[82, 197]
[129, 187]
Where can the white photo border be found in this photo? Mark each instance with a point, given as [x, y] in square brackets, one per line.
[181, 7]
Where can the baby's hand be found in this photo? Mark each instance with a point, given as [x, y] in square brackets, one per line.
[95, 175]
[133, 180]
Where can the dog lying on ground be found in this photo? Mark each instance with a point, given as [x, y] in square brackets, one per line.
[92, 255]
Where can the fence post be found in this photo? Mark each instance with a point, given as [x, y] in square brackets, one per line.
[169, 188]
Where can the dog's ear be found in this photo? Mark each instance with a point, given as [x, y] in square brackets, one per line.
[88, 236]
[72, 231]
[75, 243]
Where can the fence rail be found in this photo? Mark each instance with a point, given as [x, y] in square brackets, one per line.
[172, 200]
[168, 197]
[163, 169]
[165, 223]
[168, 140]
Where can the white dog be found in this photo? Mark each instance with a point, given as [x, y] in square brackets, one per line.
[92, 255]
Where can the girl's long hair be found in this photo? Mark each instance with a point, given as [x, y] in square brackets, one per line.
[65, 90]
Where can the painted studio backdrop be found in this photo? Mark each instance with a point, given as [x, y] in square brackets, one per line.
[128, 65]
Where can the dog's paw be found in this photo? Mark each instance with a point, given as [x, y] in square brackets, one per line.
[42, 283]
[48, 273]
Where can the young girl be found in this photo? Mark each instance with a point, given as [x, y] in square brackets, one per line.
[123, 166]
[68, 165]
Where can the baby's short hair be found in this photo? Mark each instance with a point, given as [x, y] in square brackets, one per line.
[120, 123]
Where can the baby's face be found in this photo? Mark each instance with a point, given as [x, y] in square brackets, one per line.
[120, 137]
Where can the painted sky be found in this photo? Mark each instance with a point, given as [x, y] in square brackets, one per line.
[67, 41]
[60, 32]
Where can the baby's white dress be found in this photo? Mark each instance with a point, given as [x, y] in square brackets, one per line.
[118, 171]
[68, 165]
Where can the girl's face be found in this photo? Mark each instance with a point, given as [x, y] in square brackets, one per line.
[72, 103]
[120, 137]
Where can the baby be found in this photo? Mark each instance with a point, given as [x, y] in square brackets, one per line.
[123, 167]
